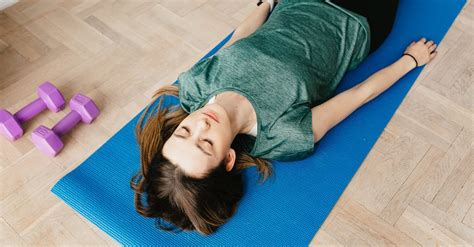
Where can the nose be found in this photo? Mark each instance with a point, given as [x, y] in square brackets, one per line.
[202, 124]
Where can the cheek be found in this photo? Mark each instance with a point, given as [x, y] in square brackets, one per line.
[223, 137]
[165, 148]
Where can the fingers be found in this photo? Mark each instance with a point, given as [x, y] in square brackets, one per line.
[430, 44]
[432, 55]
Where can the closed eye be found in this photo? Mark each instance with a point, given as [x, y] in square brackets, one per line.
[197, 145]
[186, 128]
[208, 141]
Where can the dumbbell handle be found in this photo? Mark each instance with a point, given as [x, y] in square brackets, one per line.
[29, 111]
[67, 123]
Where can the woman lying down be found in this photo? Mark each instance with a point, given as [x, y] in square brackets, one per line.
[268, 94]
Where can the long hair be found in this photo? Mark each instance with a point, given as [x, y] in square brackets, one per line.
[186, 202]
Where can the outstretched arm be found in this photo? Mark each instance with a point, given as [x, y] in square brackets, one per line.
[251, 23]
[328, 114]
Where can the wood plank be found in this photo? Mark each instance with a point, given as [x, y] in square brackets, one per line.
[381, 180]
[399, 202]
[7, 24]
[461, 205]
[61, 226]
[400, 124]
[181, 7]
[469, 218]
[324, 239]
[373, 223]
[3, 45]
[8, 237]
[455, 182]
[419, 225]
[77, 30]
[437, 174]
[454, 228]
[26, 44]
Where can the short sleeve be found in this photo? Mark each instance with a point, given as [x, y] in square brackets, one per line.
[288, 138]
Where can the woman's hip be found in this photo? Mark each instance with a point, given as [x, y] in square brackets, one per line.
[380, 16]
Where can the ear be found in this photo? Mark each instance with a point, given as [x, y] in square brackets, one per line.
[230, 160]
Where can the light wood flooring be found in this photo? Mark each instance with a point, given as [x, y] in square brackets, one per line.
[414, 188]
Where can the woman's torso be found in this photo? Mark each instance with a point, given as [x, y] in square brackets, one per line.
[293, 62]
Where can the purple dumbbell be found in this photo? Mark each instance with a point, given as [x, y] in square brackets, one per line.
[49, 141]
[49, 98]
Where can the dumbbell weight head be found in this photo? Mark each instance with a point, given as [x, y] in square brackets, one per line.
[49, 96]
[9, 127]
[85, 107]
[49, 140]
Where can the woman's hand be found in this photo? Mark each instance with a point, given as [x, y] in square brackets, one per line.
[423, 52]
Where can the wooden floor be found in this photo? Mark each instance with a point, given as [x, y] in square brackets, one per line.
[414, 188]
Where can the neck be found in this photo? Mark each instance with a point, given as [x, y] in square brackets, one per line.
[238, 110]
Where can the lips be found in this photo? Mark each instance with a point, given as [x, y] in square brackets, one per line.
[211, 115]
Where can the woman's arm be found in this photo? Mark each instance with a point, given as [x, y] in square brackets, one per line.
[251, 23]
[328, 114]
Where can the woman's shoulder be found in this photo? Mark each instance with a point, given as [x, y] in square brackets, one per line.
[287, 137]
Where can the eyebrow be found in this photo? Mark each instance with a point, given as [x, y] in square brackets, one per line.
[197, 145]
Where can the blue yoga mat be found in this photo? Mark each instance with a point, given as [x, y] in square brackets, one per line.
[288, 209]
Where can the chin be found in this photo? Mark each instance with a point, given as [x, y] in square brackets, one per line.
[219, 110]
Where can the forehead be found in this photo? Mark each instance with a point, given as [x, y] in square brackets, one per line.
[187, 156]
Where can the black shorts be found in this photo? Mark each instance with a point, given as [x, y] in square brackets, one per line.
[379, 13]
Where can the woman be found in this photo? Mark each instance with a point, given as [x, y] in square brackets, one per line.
[266, 95]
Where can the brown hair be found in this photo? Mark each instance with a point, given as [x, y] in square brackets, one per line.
[189, 203]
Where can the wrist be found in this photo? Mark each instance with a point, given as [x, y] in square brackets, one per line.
[408, 62]
[270, 3]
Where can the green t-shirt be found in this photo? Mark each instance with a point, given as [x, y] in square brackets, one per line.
[293, 62]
